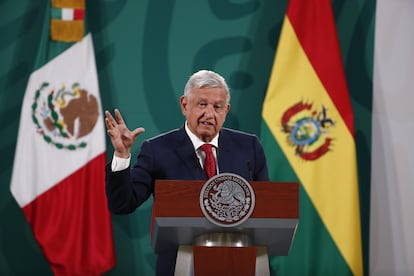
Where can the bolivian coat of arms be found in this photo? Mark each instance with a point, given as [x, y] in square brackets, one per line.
[307, 130]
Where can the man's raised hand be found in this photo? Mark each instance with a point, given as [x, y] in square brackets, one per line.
[122, 138]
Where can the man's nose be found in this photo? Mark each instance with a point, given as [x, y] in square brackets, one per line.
[209, 111]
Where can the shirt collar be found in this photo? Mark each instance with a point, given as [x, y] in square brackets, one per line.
[197, 142]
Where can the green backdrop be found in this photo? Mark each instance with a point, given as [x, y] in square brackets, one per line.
[145, 51]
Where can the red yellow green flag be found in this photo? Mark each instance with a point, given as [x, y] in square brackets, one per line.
[308, 117]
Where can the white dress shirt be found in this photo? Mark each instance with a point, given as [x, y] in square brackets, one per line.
[197, 143]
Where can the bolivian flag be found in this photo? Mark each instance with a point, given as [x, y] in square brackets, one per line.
[308, 119]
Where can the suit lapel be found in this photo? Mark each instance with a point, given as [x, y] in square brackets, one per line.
[224, 154]
[185, 150]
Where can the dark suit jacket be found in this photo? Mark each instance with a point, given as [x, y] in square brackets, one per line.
[171, 156]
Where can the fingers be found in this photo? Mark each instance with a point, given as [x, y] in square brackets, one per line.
[118, 116]
[110, 120]
[137, 132]
[119, 125]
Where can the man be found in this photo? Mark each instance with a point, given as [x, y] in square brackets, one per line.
[177, 154]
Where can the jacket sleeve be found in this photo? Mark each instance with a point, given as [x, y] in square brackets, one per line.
[127, 189]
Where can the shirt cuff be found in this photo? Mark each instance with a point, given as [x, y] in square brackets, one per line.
[119, 164]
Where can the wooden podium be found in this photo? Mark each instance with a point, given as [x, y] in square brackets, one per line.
[205, 248]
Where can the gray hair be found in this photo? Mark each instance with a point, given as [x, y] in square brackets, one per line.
[206, 78]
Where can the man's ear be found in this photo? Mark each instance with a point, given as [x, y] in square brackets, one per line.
[183, 103]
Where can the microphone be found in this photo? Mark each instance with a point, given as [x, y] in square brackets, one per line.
[250, 168]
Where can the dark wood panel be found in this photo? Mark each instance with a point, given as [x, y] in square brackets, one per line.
[176, 198]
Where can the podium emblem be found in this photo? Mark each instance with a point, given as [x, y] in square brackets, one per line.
[227, 199]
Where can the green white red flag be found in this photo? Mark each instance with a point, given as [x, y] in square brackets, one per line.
[58, 175]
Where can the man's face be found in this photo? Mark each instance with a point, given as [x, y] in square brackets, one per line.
[206, 111]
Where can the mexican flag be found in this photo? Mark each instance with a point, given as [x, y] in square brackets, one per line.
[58, 175]
[308, 135]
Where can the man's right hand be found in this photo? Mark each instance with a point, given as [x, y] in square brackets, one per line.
[122, 138]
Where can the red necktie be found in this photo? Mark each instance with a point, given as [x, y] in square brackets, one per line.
[210, 161]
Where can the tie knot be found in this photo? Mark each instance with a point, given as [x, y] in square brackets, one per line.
[206, 147]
